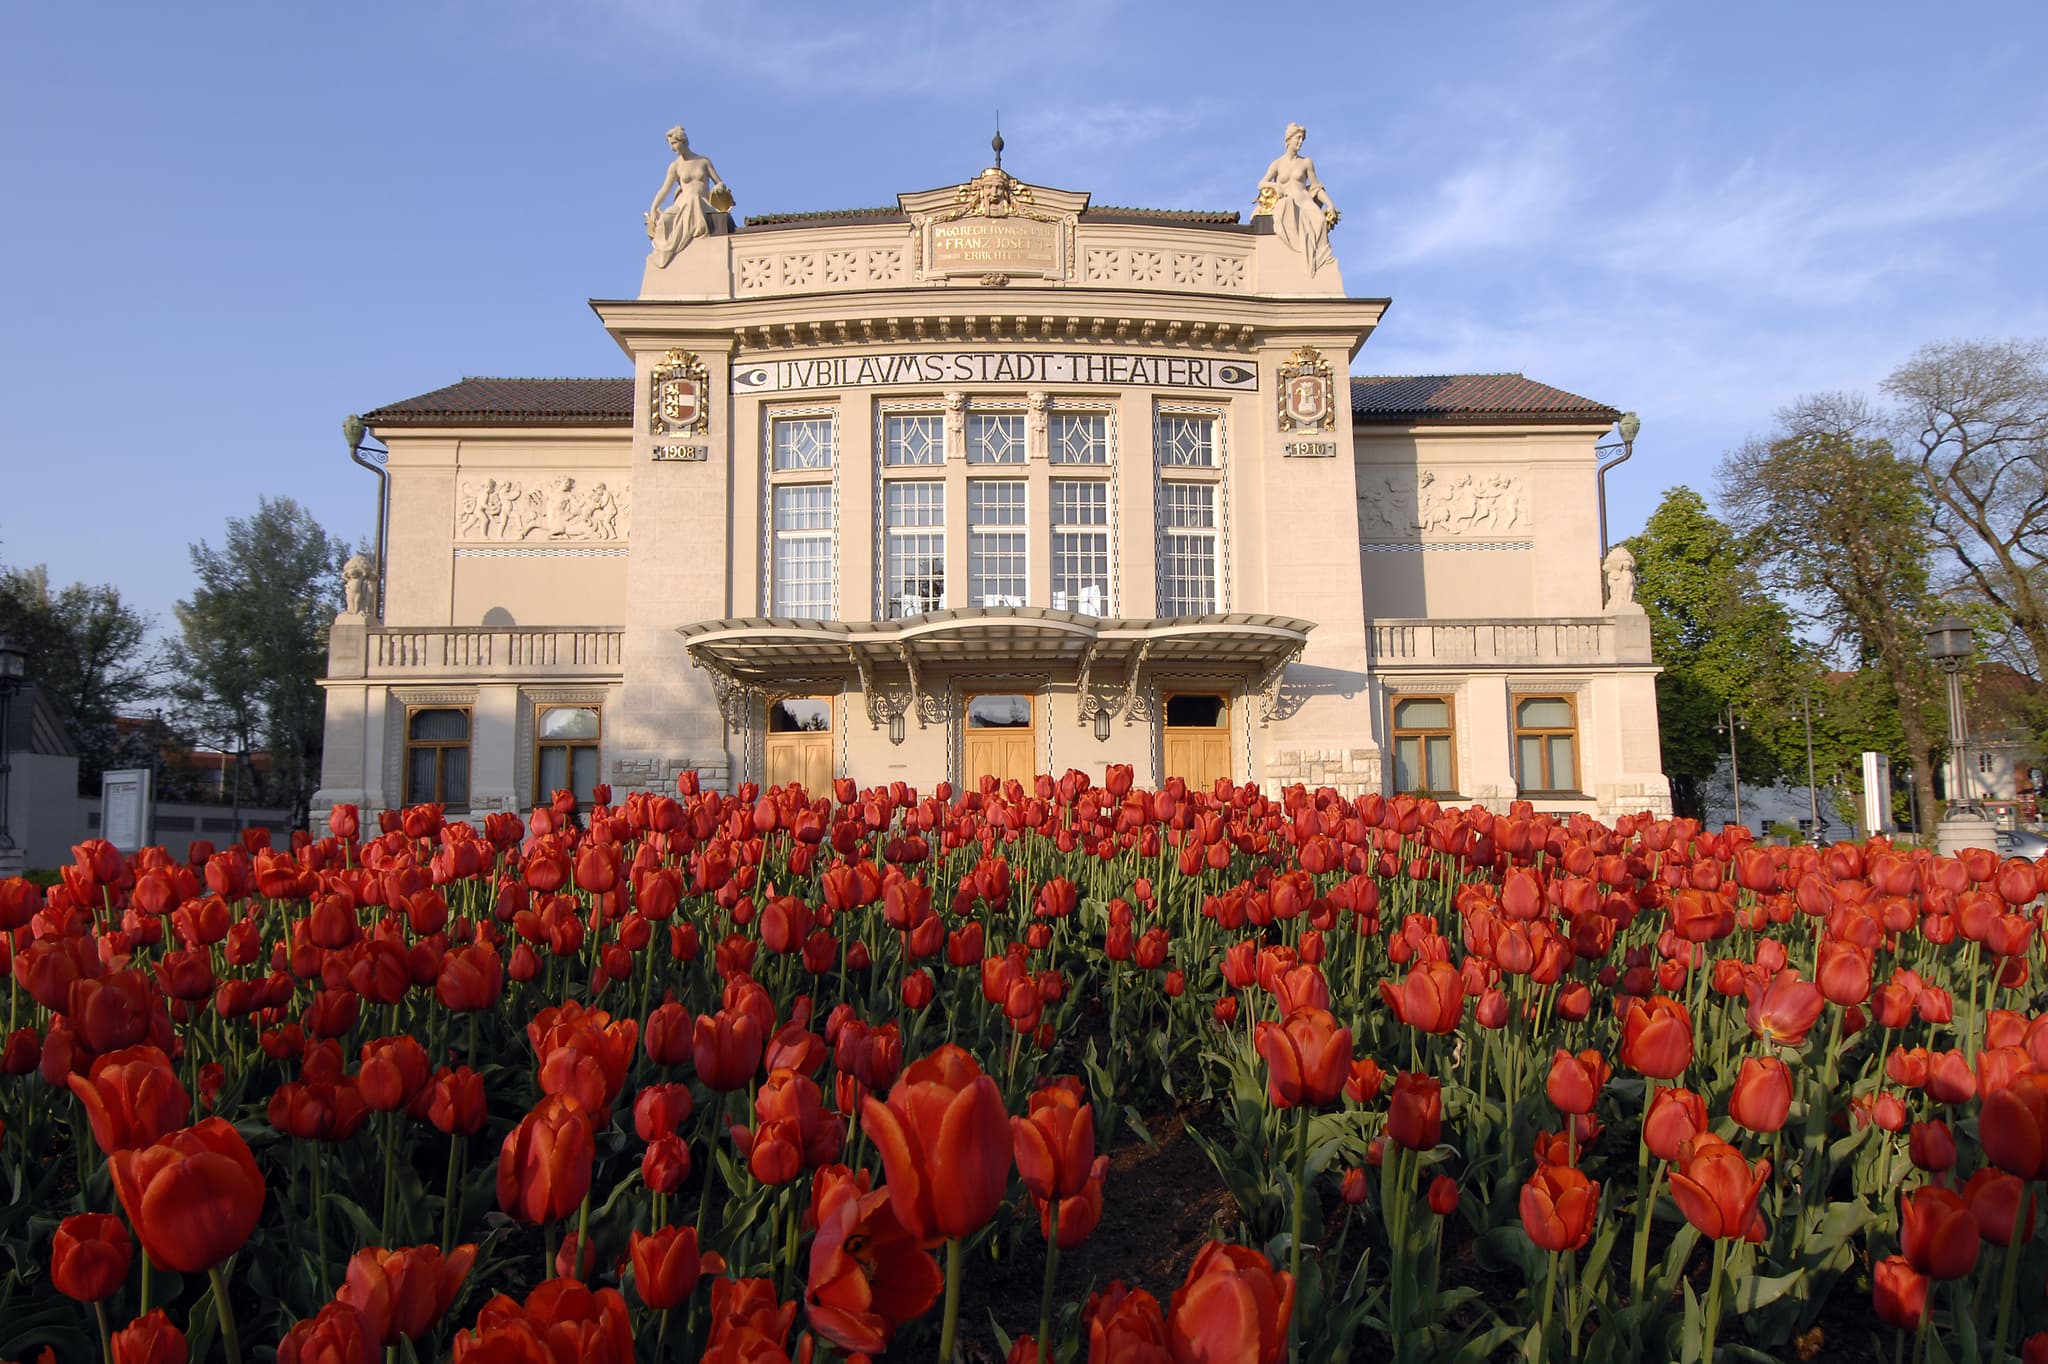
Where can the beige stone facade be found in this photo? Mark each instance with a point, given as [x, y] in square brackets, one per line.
[992, 481]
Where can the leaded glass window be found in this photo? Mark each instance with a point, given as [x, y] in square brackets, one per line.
[804, 442]
[914, 550]
[998, 544]
[995, 438]
[804, 551]
[1187, 549]
[1080, 546]
[1078, 438]
[913, 438]
[1185, 441]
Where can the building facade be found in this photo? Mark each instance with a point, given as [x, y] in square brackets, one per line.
[992, 482]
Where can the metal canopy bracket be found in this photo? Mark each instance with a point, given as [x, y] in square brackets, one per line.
[1123, 705]
[1268, 685]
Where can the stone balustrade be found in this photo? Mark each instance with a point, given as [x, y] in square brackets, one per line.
[398, 653]
[1581, 640]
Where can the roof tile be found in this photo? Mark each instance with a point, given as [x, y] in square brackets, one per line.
[1468, 398]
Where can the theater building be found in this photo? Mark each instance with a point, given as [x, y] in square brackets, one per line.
[992, 481]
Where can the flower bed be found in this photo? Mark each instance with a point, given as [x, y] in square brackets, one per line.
[762, 1077]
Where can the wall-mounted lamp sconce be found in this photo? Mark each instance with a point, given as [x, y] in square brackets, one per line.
[1102, 726]
[896, 728]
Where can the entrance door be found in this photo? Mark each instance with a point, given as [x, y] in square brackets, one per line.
[998, 738]
[799, 748]
[1198, 738]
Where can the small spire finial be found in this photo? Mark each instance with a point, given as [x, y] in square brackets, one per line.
[996, 143]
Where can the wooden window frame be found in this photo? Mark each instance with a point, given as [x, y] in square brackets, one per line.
[1517, 730]
[1448, 730]
[596, 745]
[440, 747]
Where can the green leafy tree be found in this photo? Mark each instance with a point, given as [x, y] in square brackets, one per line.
[1725, 645]
[253, 644]
[1831, 516]
[85, 651]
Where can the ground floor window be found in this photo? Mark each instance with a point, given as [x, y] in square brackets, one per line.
[1546, 745]
[1425, 754]
[565, 754]
[437, 757]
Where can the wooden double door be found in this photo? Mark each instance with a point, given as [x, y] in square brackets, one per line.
[997, 740]
[1197, 738]
[798, 750]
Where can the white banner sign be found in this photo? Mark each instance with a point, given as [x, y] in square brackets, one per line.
[996, 367]
[125, 807]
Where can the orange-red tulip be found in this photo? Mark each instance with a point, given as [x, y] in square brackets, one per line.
[1785, 1009]
[1898, 1292]
[1574, 1082]
[1559, 1205]
[1308, 1058]
[1431, 999]
[1718, 1191]
[1656, 1037]
[1415, 1111]
[2013, 1127]
[1937, 1232]
[1054, 1142]
[150, 1339]
[403, 1293]
[944, 1141]
[1233, 1308]
[1994, 1199]
[132, 1098]
[89, 1256]
[868, 1274]
[544, 1166]
[1763, 1094]
[193, 1197]
[667, 1265]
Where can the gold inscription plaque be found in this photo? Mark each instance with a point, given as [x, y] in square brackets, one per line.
[979, 246]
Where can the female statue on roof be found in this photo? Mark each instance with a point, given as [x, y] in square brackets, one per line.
[1301, 209]
[698, 193]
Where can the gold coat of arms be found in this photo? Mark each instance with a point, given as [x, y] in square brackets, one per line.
[680, 397]
[1308, 392]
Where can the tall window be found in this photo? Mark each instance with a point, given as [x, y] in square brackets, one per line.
[998, 545]
[1080, 546]
[914, 551]
[805, 443]
[1186, 441]
[1078, 438]
[913, 438]
[437, 757]
[1424, 752]
[1546, 744]
[565, 752]
[1187, 549]
[995, 438]
[803, 551]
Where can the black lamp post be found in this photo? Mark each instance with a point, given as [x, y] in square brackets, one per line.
[1950, 645]
[1728, 725]
[13, 668]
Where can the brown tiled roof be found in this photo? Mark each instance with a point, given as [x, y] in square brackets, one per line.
[609, 402]
[1468, 398]
[514, 402]
[888, 213]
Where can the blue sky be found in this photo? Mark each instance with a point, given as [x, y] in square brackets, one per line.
[228, 225]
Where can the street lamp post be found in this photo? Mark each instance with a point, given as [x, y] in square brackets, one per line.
[1963, 825]
[1812, 791]
[1727, 726]
[13, 668]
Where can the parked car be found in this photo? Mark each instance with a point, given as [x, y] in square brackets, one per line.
[2022, 843]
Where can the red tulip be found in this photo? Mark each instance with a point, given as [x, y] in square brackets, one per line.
[1718, 1191]
[2013, 1127]
[1431, 999]
[667, 1265]
[1898, 1292]
[1785, 1009]
[403, 1293]
[1994, 1199]
[544, 1166]
[944, 1141]
[868, 1274]
[1415, 1111]
[1676, 1116]
[1233, 1308]
[1308, 1058]
[1937, 1232]
[1574, 1082]
[150, 1339]
[193, 1198]
[394, 1070]
[1559, 1205]
[1125, 1327]
[1656, 1037]
[132, 1098]
[89, 1256]
[727, 1048]
[1443, 1195]
[1763, 1094]
[1054, 1143]
[561, 1322]
[470, 979]
[455, 1101]
[1931, 1146]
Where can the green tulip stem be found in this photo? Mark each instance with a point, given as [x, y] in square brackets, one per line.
[956, 1267]
[99, 1310]
[454, 1195]
[1300, 1216]
[1052, 1269]
[1714, 1299]
[319, 1225]
[2008, 1278]
[225, 1310]
[1549, 1305]
[1639, 1263]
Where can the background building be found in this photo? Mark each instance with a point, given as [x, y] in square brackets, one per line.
[993, 481]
